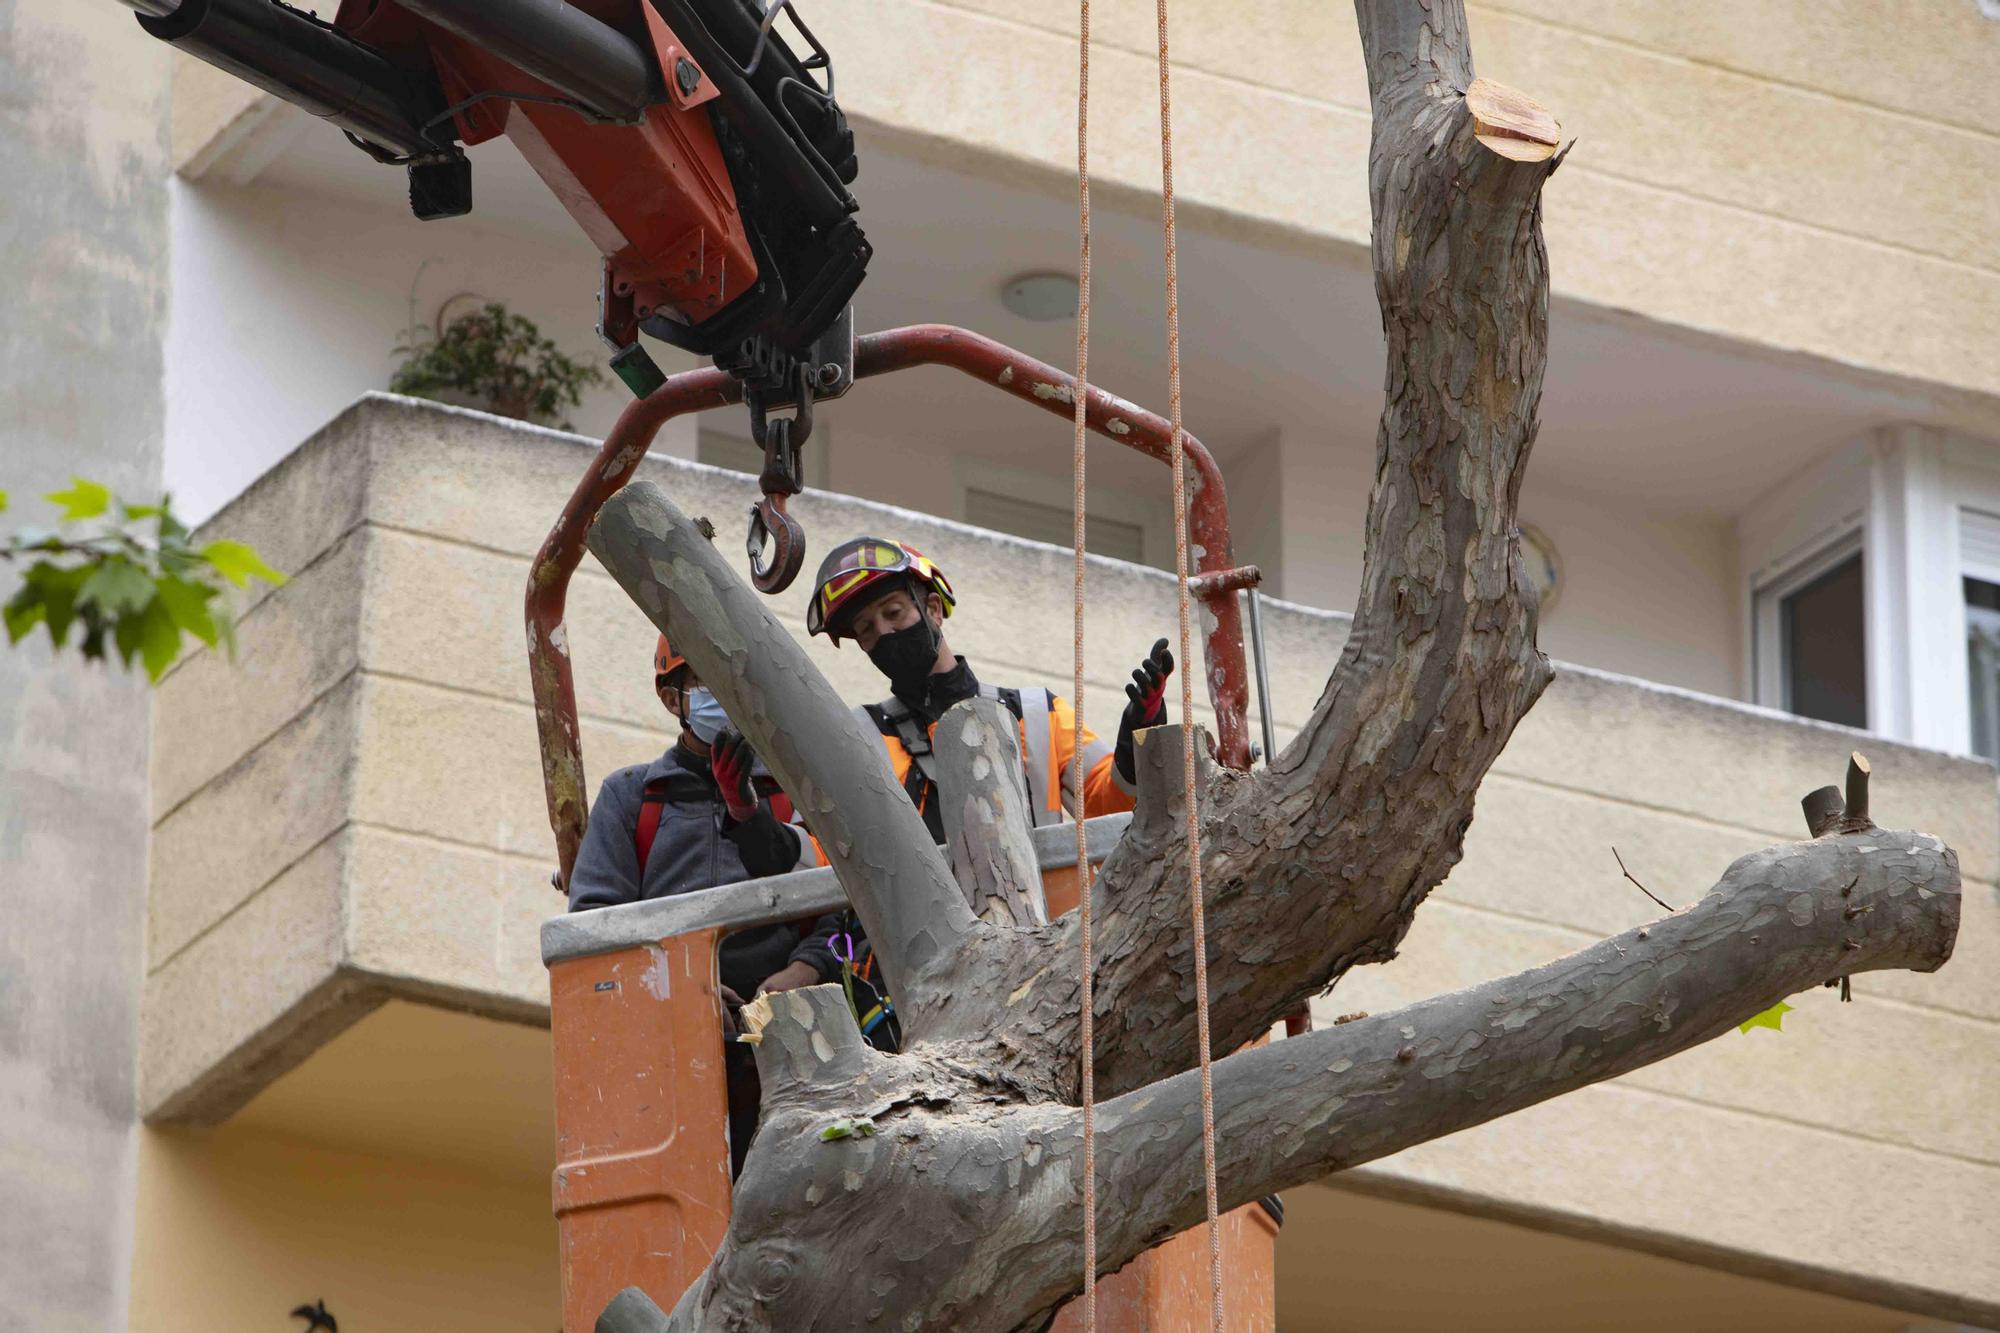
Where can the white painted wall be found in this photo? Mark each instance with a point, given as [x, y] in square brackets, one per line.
[1647, 594]
[286, 307]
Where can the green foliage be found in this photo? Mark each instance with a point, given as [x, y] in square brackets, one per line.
[84, 499]
[858, 1127]
[500, 359]
[132, 585]
[1772, 1018]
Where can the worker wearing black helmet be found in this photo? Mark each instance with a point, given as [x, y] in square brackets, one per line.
[893, 600]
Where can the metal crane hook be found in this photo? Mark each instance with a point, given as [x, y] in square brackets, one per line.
[775, 543]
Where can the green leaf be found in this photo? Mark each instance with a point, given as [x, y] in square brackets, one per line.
[1772, 1018]
[159, 638]
[92, 644]
[860, 1127]
[187, 603]
[24, 611]
[239, 563]
[127, 632]
[3, 502]
[84, 499]
[118, 586]
[58, 587]
[133, 513]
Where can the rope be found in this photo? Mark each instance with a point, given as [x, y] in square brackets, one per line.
[1081, 391]
[1187, 673]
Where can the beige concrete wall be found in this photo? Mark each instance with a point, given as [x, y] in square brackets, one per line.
[1726, 180]
[83, 297]
[364, 818]
[1846, 1149]
[237, 1228]
[1650, 595]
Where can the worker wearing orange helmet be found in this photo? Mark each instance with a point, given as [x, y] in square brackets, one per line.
[695, 818]
[893, 600]
[692, 819]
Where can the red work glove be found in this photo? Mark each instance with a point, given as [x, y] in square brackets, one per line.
[1146, 695]
[730, 760]
[1145, 705]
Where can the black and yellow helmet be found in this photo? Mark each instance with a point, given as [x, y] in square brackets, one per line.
[854, 567]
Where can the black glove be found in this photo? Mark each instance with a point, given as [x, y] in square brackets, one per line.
[1145, 706]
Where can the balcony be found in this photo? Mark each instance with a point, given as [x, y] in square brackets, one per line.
[351, 816]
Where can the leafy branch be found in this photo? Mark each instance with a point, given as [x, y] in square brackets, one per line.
[499, 358]
[130, 583]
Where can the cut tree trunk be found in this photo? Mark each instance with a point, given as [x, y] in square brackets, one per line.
[940, 1188]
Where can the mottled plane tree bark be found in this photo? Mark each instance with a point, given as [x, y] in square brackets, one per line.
[957, 1203]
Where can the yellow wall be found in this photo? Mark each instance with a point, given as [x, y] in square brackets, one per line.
[236, 1228]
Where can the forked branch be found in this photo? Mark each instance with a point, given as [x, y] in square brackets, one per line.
[835, 773]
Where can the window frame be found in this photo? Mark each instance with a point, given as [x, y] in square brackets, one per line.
[1781, 581]
[1154, 520]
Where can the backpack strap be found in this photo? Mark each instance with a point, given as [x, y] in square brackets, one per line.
[653, 801]
[650, 806]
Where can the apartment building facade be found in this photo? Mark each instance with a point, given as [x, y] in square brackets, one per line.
[278, 1008]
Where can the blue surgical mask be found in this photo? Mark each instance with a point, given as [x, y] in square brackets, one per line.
[705, 717]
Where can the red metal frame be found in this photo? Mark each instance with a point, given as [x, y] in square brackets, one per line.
[982, 358]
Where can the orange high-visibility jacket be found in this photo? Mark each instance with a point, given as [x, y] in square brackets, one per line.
[1047, 742]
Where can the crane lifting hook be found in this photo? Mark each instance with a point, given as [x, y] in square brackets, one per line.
[776, 544]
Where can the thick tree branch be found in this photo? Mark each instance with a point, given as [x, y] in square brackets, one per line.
[985, 1197]
[1318, 863]
[835, 773]
[1412, 47]
[942, 1187]
[1780, 921]
[977, 749]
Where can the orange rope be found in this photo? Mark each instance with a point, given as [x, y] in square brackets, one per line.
[1187, 672]
[1080, 388]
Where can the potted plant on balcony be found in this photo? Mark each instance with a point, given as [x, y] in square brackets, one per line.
[492, 358]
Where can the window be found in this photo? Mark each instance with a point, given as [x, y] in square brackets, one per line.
[1982, 661]
[730, 451]
[1825, 656]
[1048, 523]
[1811, 644]
[739, 453]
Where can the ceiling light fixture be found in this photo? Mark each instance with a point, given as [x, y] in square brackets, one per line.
[1042, 297]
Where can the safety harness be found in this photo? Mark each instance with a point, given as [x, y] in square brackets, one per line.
[685, 788]
[681, 787]
[893, 717]
[874, 1012]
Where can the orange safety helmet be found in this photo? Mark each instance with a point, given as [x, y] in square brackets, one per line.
[854, 567]
[665, 662]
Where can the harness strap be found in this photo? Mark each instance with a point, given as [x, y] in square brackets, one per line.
[915, 781]
[652, 803]
[649, 828]
[1034, 715]
[893, 717]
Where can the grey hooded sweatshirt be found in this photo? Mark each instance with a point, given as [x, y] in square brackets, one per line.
[697, 846]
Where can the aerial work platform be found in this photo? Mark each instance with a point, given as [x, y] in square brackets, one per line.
[642, 1190]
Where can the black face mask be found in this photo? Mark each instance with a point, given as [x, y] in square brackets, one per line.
[906, 658]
